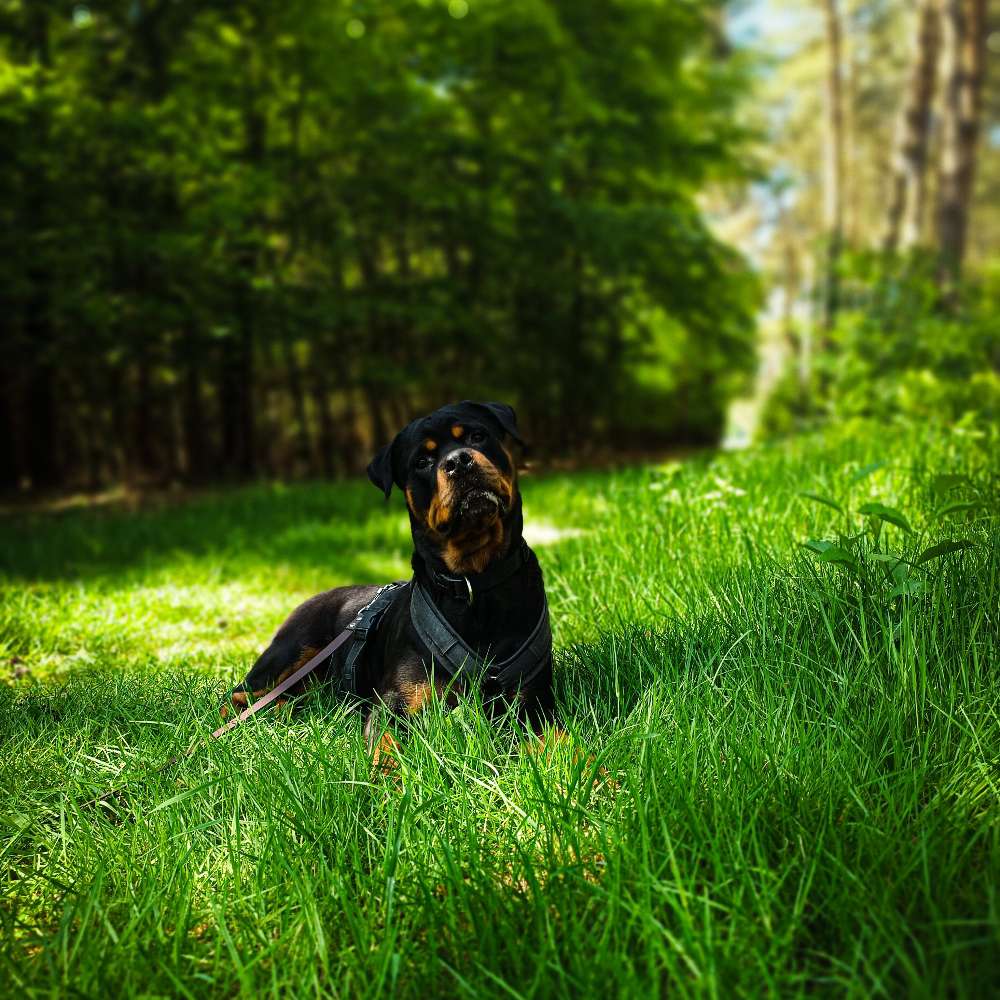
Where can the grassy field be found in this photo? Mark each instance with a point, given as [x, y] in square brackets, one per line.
[781, 777]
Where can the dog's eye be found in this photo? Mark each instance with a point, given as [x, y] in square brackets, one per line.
[424, 462]
[476, 437]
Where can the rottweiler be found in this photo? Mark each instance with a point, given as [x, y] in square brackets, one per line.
[481, 582]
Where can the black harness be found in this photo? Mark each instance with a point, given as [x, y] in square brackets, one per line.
[450, 653]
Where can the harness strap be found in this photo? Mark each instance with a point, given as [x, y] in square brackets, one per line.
[456, 657]
[364, 623]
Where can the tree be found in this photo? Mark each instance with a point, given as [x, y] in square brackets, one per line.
[833, 178]
[904, 218]
[965, 68]
[264, 235]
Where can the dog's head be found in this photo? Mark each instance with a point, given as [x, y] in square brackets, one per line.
[458, 473]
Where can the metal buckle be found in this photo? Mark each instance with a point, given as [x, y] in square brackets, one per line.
[356, 624]
[450, 582]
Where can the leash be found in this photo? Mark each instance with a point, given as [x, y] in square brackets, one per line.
[324, 654]
[359, 628]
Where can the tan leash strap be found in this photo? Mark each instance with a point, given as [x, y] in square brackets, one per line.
[325, 653]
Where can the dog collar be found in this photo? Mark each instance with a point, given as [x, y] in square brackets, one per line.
[467, 588]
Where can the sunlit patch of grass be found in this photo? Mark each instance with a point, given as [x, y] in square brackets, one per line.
[539, 533]
[779, 773]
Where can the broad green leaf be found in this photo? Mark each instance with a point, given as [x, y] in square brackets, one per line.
[866, 470]
[823, 500]
[944, 548]
[835, 554]
[830, 552]
[908, 588]
[817, 545]
[886, 557]
[956, 507]
[943, 483]
[888, 514]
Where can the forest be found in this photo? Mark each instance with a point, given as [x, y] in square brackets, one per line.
[246, 240]
[877, 225]
[253, 238]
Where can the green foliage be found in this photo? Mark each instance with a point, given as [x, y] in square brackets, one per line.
[899, 353]
[904, 352]
[780, 775]
[879, 572]
[240, 236]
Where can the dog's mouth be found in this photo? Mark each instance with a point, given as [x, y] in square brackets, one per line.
[479, 503]
[473, 504]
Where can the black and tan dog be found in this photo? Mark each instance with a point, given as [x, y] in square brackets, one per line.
[470, 561]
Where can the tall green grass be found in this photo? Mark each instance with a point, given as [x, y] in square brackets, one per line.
[781, 774]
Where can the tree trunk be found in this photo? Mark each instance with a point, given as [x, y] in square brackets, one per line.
[40, 427]
[147, 425]
[833, 179]
[93, 436]
[380, 432]
[904, 219]
[40, 398]
[236, 396]
[193, 426]
[326, 465]
[9, 462]
[303, 462]
[121, 458]
[965, 68]
[236, 389]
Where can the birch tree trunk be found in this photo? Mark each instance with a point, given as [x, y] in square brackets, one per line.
[833, 179]
[907, 196]
[964, 26]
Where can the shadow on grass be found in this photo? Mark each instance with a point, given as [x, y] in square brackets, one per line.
[309, 526]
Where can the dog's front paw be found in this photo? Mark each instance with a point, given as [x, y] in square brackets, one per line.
[238, 700]
[233, 704]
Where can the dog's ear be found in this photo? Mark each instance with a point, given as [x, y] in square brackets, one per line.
[504, 416]
[380, 469]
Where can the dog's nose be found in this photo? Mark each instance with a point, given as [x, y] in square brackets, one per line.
[458, 460]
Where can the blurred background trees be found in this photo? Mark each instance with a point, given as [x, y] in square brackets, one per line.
[907, 233]
[243, 238]
[250, 238]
